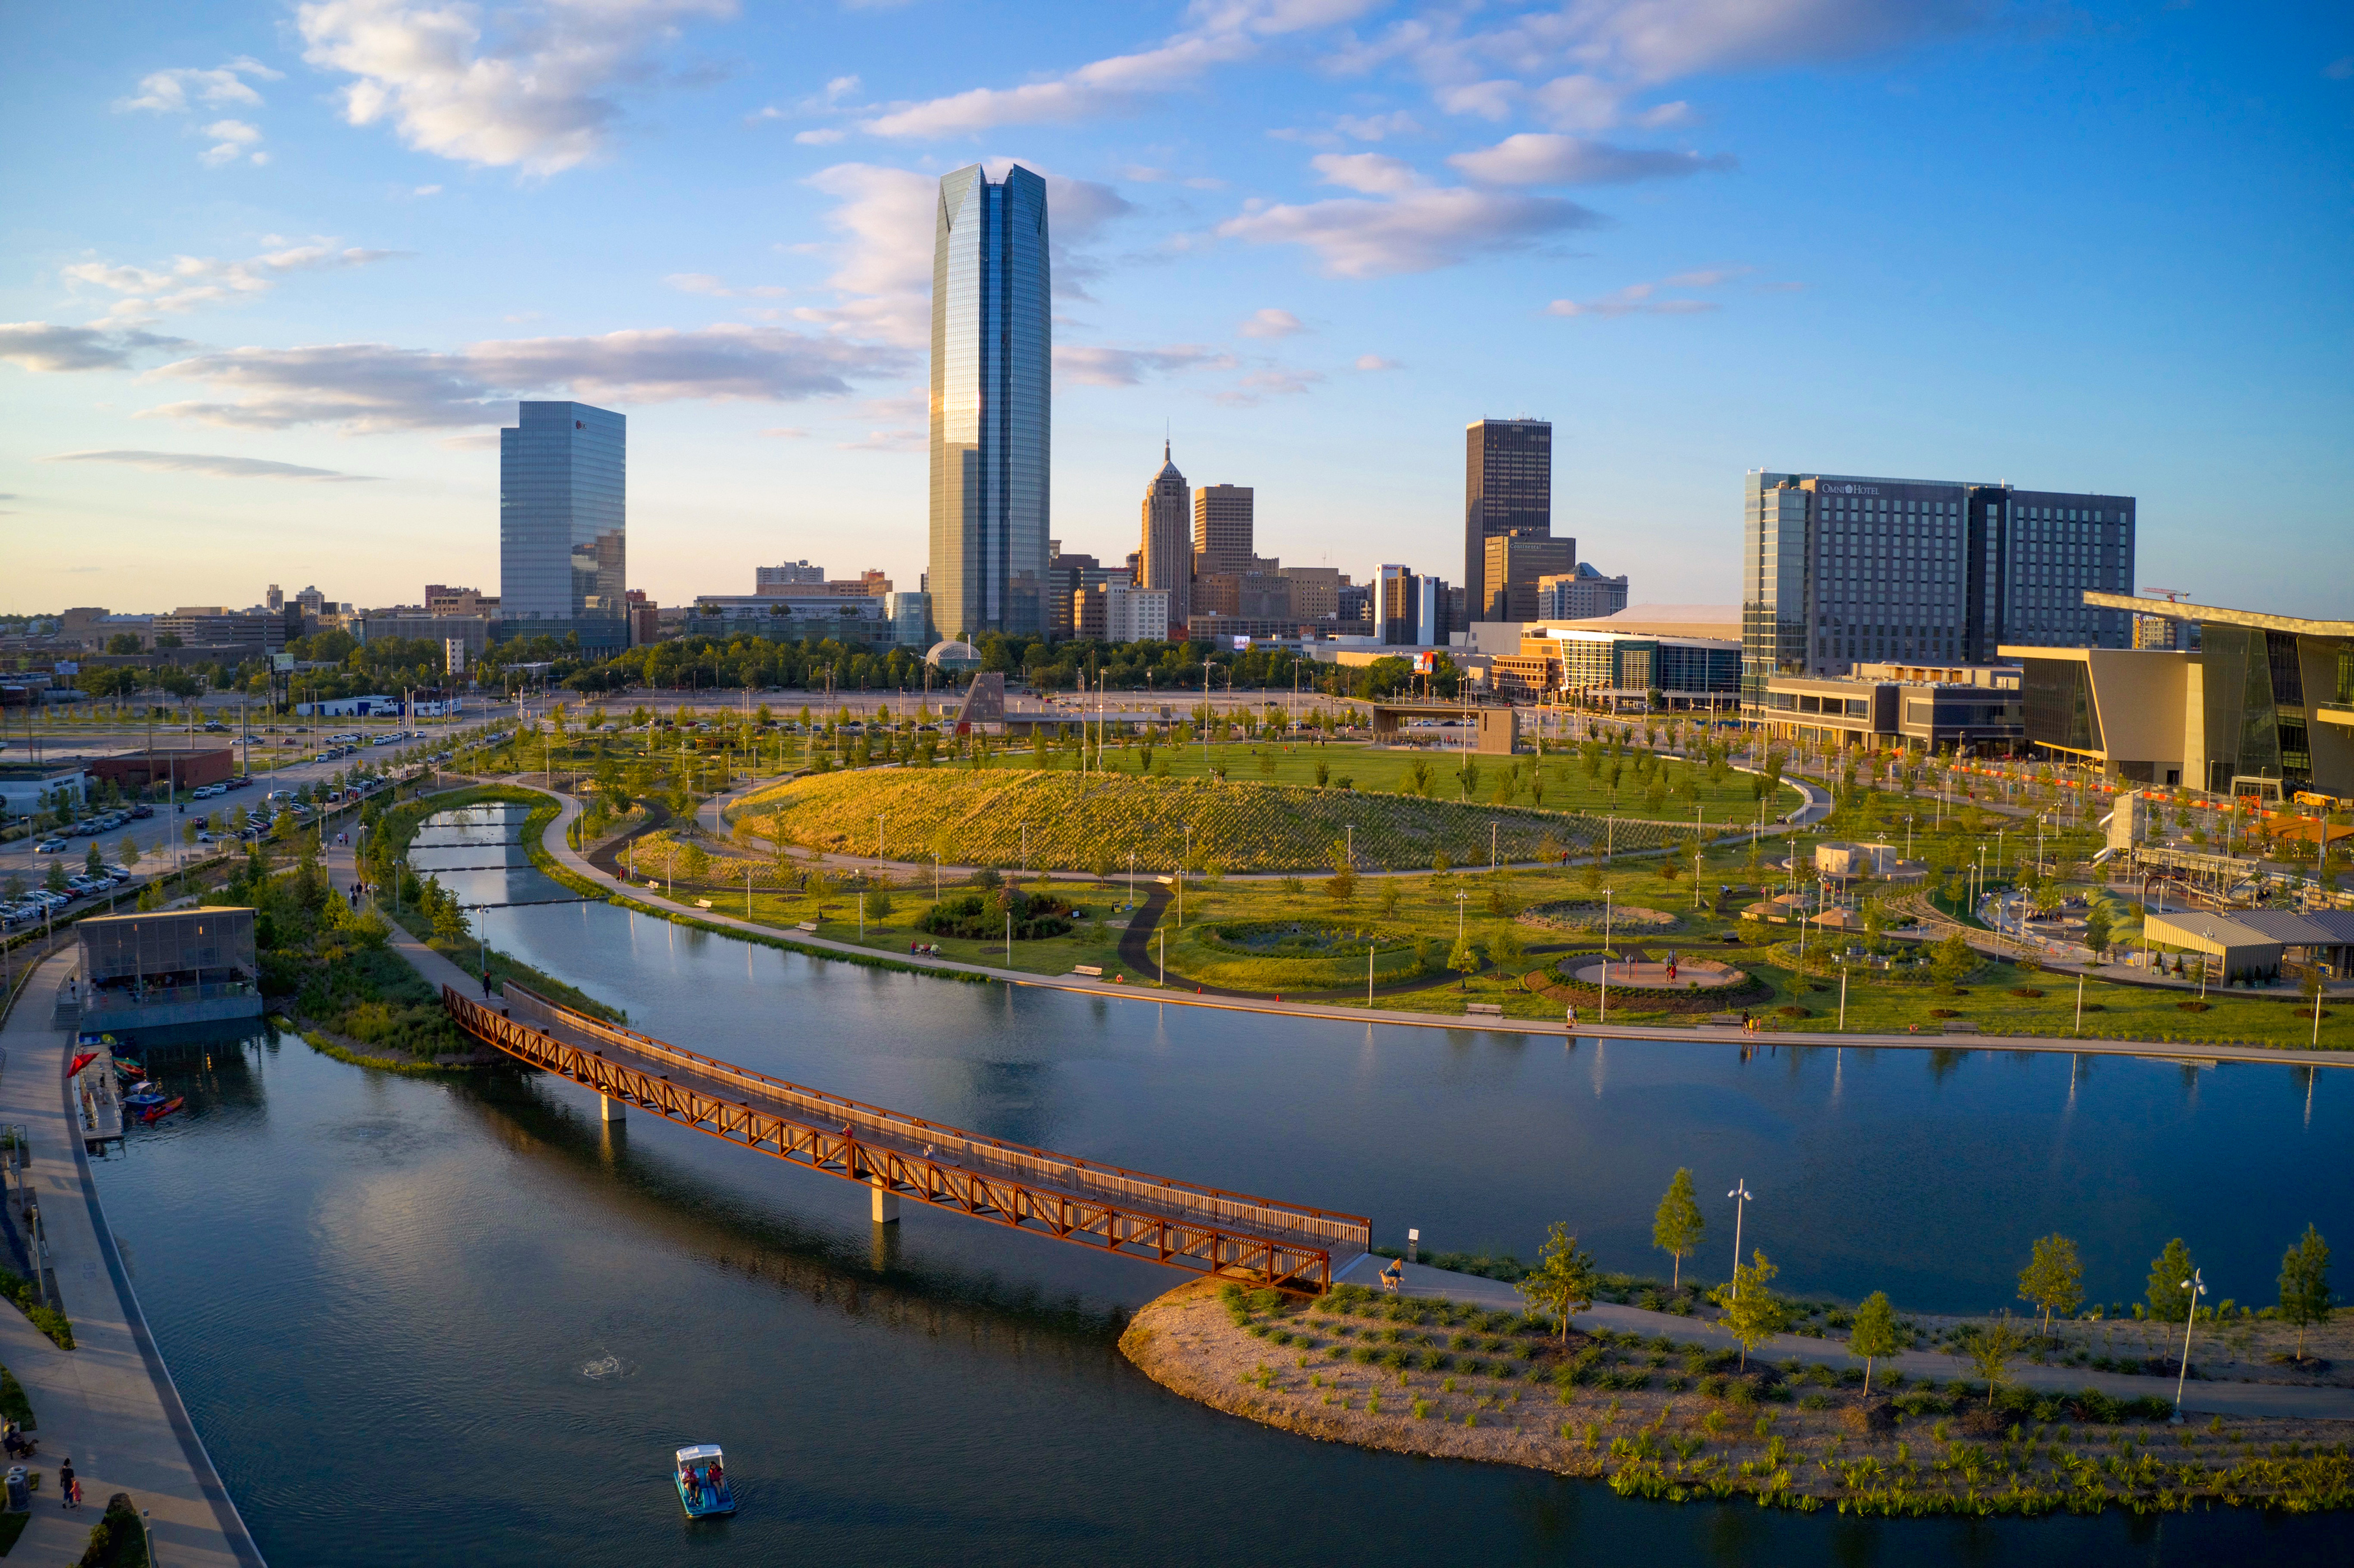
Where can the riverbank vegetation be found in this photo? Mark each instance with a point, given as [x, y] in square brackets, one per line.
[1677, 1420]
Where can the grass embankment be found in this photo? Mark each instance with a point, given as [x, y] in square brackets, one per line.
[1563, 780]
[1014, 818]
[1682, 1422]
[48, 1319]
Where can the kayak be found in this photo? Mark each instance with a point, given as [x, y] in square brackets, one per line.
[158, 1112]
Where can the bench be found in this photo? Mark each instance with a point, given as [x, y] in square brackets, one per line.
[805, 926]
[703, 904]
[1093, 972]
[1485, 1009]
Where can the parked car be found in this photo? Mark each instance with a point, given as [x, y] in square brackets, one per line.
[50, 846]
[142, 812]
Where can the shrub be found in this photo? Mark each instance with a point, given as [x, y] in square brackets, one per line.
[976, 917]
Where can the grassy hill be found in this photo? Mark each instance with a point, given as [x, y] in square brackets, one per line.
[1081, 823]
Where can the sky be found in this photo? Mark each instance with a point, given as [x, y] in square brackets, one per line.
[272, 276]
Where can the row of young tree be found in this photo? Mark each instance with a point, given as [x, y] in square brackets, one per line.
[1564, 1282]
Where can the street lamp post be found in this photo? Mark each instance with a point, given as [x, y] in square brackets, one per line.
[1606, 954]
[2196, 1285]
[1741, 1194]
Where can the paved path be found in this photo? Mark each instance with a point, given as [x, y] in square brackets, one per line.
[109, 1404]
[1730, 1033]
[2263, 1399]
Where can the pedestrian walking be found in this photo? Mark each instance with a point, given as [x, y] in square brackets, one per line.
[66, 1484]
[1570, 1016]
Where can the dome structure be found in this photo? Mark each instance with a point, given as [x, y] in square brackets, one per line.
[957, 657]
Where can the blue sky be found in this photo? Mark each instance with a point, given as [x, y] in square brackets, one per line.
[277, 273]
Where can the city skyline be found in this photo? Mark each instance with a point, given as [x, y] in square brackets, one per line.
[261, 283]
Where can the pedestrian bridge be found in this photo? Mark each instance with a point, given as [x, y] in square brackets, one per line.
[1180, 1224]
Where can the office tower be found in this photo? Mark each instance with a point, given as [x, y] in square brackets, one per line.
[1584, 594]
[1514, 563]
[1507, 489]
[1839, 569]
[274, 600]
[1067, 573]
[991, 404]
[778, 579]
[1165, 555]
[563, 522]
[1222, 529]
[1315, 591]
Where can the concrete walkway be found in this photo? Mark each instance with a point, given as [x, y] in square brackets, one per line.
[2252, 1399]
[553, 841]
[108, 1405]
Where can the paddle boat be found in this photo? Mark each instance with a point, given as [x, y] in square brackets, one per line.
[702, 1477]
[142, 1095]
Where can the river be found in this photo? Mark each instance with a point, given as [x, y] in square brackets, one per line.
[425, 1321]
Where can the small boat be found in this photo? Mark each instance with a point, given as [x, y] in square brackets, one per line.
[144, 1094]
[158, 1112]
[702, 1477]
[129, 1069]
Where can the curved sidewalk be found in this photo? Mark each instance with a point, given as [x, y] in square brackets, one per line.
[108, 1405]
[553, 841]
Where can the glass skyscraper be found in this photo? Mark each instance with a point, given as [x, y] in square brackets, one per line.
[1506, 490]
[563, 525]
[991, 404]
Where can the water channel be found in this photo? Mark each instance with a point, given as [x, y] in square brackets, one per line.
[418, 1322]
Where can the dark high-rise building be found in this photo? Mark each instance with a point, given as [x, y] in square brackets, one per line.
[992, 344]
[1839, 570]
[563, 525]
[1507, 489]
[1515, 562]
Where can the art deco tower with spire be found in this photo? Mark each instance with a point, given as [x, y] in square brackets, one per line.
[1166, 557]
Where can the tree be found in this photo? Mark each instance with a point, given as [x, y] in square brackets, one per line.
[2053, 1278]
[2305, 1284]
[1953, 960]
[1679, 1226]
[1563, 1279]
[1753, 1313]
[55, 878]
[1875, 1334]
[1463, 957]
[2097, 931]
[1990, 1346]
[95, 861]
[695, 860]
[2168, 1302]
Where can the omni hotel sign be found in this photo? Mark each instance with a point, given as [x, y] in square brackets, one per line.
[1847, 489]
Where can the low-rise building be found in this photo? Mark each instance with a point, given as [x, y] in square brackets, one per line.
[1583, 594]
[800, 616]
[135, 770]
[29, 787]
[163, 967]
[1615, 668]
[1970, 708]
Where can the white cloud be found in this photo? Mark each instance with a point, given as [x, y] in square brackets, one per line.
[541, 95]
[427, 191]
[231, 139]
[1271, 322]
[1532, 159]
[217, 466]
[1416, 230]
[787, 432]
[824, 137]
[370, 389]
[49, 347]
[1223, 32]
[1376, 362]
[167, 91]
[1645, 299]
[189, 283]
[1377, 127]
[1261, 384]
[1105, 367]
[1376, 173]
[1579, 65]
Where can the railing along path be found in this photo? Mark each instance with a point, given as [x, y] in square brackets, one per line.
[1168, 1220]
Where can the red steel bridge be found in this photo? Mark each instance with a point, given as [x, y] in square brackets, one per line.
[1180, 1224]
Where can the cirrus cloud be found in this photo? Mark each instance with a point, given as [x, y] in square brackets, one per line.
[371, 388]
[50, 348]
[1534, 159]
[1418, 229]
[215, 465]
[1101, 366]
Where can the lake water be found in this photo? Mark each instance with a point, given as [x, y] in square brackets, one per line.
[421, 1321]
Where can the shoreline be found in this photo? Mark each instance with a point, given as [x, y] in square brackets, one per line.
[1364, 1369]
[555, 856]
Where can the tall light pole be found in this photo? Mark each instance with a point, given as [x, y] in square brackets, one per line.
[2196, 1285]
[1741, 1194]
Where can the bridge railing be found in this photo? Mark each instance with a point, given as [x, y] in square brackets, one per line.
[1342, 1233]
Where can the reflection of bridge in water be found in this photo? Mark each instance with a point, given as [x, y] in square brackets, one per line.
[1158, 1218]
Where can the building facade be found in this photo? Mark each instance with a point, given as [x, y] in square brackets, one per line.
[791, 575]
[1165, 555]
[991, 411]
[1507, 489]
[1839, 569]
[563, 525]
[1515, 564]
[1223, 528]
[1583, 594]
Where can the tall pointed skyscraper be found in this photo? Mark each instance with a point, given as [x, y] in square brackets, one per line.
[1166, 556]
[992, 397]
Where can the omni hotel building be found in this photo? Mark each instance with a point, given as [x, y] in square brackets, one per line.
[1840, 569]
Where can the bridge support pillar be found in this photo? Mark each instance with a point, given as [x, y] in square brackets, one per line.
[886, 1203]
[612, 1107]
